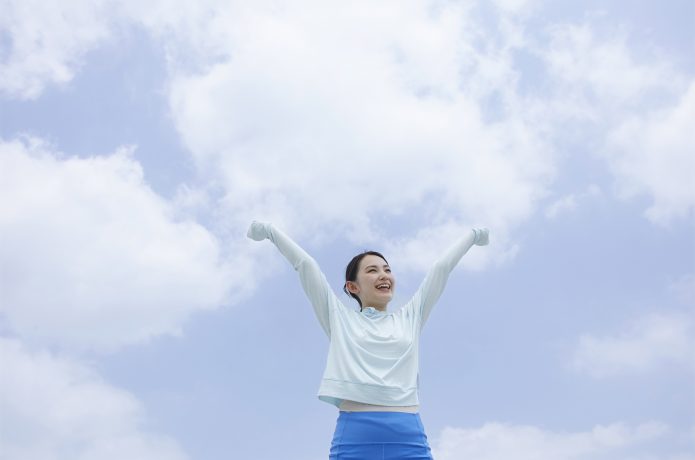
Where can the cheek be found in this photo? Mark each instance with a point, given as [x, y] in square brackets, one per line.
[365, 280]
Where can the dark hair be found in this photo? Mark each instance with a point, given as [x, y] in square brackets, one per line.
[351, 271]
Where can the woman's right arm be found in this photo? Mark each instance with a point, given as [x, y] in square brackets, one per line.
[313, 280]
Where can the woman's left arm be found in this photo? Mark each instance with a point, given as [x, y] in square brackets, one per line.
[433, 285]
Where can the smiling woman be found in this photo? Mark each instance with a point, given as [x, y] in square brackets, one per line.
[371, 373]
[368, 276]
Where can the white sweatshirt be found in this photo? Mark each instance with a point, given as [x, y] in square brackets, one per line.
[373, 355]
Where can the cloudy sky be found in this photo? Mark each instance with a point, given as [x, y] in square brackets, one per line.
[139, 139]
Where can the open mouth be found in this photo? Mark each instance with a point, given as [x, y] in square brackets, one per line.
[384, 287]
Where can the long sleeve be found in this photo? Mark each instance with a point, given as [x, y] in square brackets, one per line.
[312, 279]
[433, 285]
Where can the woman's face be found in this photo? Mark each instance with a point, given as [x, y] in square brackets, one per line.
[374, 284]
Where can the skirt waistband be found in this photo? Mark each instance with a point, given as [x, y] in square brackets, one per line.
[379, 435]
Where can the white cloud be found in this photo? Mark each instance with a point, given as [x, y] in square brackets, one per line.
[514, 6]
[91, 257]
[324, 134]
[646, 344]
[564, 204]
[45, 42]
[570, 202]
[599, 76]
[654, 154]
[339, 119]
[617, 441]
[285, 86]
[423, 249]
[640, 109]
[53, 408]
[336, 119]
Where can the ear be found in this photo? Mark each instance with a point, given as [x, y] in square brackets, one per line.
[352, 287]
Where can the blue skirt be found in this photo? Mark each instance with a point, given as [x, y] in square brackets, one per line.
[379, 436]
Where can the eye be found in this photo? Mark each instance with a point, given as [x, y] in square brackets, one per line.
[388, 270]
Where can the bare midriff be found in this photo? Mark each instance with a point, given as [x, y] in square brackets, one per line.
[354, 406]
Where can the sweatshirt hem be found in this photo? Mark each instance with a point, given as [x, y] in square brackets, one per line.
[335, 391]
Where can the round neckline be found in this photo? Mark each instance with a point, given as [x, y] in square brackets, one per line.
[371, 311]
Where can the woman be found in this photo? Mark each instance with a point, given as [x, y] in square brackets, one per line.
[371, 373]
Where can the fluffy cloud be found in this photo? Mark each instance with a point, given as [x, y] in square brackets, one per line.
[420, 251]
[91, 257]
[327, 101]
[652, 154]
[54, 408]
[365, 114]
[649, 342]
[600, 77]
[496, 441]
[342, 120]
[638, 106]
[570, 202]
[44, 42]
[296, 119]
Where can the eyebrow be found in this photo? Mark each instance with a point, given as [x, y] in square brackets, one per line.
[375, 266]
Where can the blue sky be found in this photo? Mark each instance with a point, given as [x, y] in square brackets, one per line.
[138, 141]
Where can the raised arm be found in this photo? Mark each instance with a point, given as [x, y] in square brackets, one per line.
[433, 285]
[313, 280]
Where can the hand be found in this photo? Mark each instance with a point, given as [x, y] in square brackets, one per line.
[481, 236]
[258, 231]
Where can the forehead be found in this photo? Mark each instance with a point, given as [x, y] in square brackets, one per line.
[371, 259]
